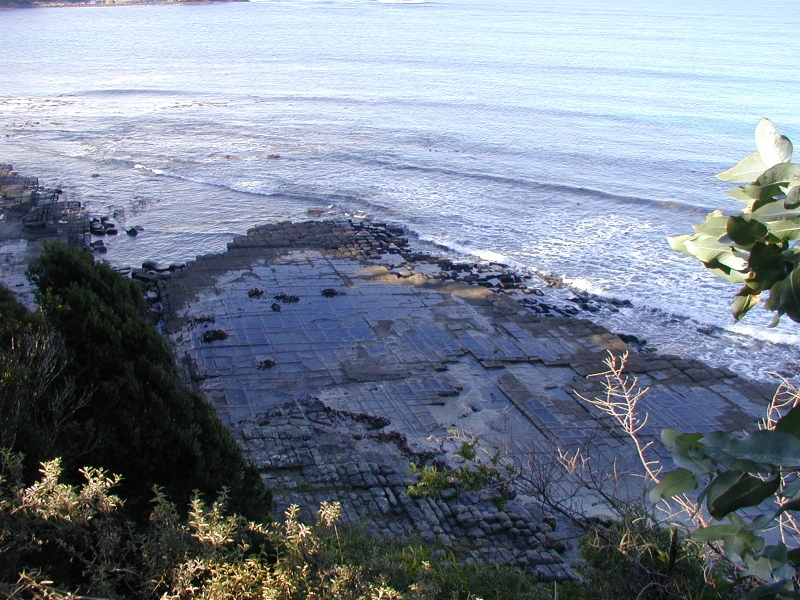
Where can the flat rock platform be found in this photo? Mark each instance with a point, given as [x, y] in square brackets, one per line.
[337, 356]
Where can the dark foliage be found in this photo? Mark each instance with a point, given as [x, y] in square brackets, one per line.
[214, 335]
[141, 420]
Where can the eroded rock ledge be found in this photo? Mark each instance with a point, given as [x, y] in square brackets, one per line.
[338, 355]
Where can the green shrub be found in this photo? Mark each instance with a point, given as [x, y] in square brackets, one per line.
[636, 557]
[140, 420]
[59, 539]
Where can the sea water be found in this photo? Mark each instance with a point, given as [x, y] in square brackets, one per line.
[567, 138]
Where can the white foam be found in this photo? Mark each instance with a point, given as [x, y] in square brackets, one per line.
[584, 285]
[152, 170]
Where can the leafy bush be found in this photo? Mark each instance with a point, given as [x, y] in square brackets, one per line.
[750, 485]
[637, 557]
[59, 539]
[140, 420]
[756, 247]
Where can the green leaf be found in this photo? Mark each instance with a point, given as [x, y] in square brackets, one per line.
[715, 533]
[760, 522]
[746, 231]
[770, 447]
[790, 423]
[736, 464]
[746, 171]
[715, 225]
[726, 273]
[720, 484]
[687, 451]
[678, 243]
[773, 591]
[705, 247]
[737, 490]
[717, 439]
[781, 174]
[789, 295]
[677, 482]
[773, 147]
[785, 229]
[791, 489]
[774, 211]
[794, 555]
[772, 565]
[793, 505]
[737, 193]
[792, 198]
[746, 299]
[767, 265]
[774, 300]
[668, 437]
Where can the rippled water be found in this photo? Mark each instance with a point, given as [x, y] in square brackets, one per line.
[564, 138]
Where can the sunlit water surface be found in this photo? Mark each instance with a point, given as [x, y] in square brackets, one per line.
[565, 138]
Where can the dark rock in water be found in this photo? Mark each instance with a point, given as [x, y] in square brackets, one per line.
[273, 155]
[175, 266]
[152, 265]
[145, 275]
[617, 302]
[133, 232]
[111, 231]
[101, 249]
[632, 339]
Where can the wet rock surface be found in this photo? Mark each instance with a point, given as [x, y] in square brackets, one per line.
[358, 355]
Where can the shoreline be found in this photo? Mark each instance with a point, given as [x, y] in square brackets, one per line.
[335, 365]
[336, 353]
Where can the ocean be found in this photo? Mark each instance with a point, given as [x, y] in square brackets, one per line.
[566, 138]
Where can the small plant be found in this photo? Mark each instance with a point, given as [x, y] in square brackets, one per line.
[255, 293]
[331, 293]
[479, 468]
[265, 364]
[214, 335]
